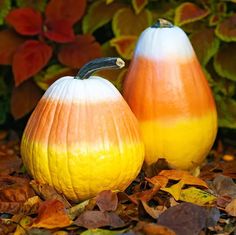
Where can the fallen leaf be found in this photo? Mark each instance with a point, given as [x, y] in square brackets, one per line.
[231, 208]
[107, 201]
[184, 176]
[154, 212]
[71, 10]
[9, 42]
[175, 190]
[96, 219]
[5, 7]
[23, 225]
[102, 232]
[189, 12]
[79, 52]
[26, 21]
[160, 180]
[9, 162]
[153, 229]
[52, 214]
[224, 186]
[197, 196]
[48, 192]
[29, 59]
[24, 98]
[185, 218]
[31, 205]
[145, 195]
[76, 210]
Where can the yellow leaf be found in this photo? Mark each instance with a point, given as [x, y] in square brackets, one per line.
[126, 22]
[138, 5]
[197, 196]
[124, 45]
[23, 226]
[99, 13]
[175, 190]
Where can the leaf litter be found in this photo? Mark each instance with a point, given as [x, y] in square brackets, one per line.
[159, 201]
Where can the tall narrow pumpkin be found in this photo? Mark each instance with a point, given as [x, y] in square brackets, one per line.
[167, 90]
[82, 137]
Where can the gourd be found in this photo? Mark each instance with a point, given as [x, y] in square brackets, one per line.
[82, 137]
[167, 90]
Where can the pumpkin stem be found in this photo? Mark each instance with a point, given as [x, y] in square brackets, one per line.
[162, 23]
[99, 64]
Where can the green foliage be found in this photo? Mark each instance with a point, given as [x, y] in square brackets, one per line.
[117, 24]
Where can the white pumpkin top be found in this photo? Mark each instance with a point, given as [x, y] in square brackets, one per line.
[94, 89]
[164, 44]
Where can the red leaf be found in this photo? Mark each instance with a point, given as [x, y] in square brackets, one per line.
[59, 31]
[79, 52]
[71, 10]
[25, 21]
[189, 12]
[9, 42]
[29, 59]
[24, 98]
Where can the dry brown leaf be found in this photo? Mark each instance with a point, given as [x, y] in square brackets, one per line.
[154, 212]
[231, 208]
[153, 229]
[96, 219]
[160, 180]
[107, 200]
[52, 214]
[47, 192]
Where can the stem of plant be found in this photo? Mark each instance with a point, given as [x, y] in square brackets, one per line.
[99, 64]
[162, 23]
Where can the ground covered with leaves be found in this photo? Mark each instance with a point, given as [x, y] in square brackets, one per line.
[160, 200]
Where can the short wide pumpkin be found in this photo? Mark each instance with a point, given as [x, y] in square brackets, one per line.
[83, 138]
[169, 94]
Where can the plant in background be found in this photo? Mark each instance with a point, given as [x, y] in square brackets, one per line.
[64, 30]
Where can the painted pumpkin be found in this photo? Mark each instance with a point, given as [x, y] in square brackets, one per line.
[167, 90]
[82, 137]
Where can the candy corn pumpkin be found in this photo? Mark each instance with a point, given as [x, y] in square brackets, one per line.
[167, 90]
[82, 137]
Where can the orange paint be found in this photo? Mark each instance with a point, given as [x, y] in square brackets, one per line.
[169, 89]
[60, 123]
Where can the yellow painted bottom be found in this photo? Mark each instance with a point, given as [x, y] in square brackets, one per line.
[184, 143]
[82, 172]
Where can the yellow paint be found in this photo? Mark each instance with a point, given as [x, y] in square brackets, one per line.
[184, 143]
[82, 171]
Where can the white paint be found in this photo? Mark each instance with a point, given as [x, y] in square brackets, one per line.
[93, 89]
[164, 44]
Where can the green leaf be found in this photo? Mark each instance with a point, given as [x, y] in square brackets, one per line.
[102, 232]
[37, 5]
[224, 61]
[196, 196]
[189, 12]
[99, 14]
[205, 44]
[126, 22]
[226, 111]
[46, 77]
[226, 30]
[5, 6]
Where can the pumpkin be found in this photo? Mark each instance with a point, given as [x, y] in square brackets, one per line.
[167, 90]
[82, 137]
